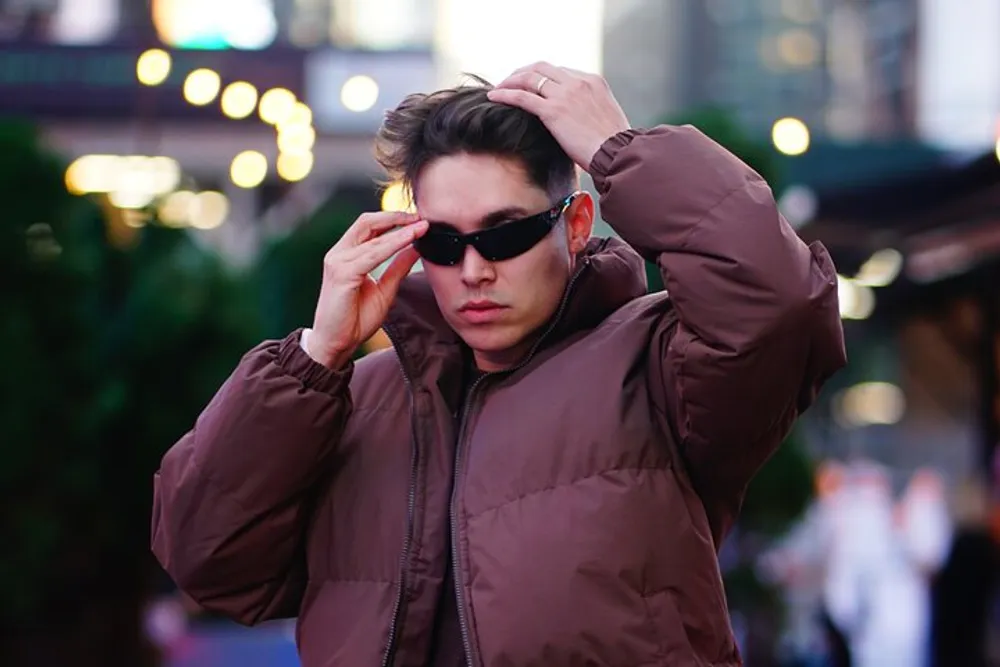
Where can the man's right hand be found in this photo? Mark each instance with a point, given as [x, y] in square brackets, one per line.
[352, 305]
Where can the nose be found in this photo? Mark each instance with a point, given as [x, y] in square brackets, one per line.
[475, 269]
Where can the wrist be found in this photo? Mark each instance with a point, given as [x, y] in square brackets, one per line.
[324, 355]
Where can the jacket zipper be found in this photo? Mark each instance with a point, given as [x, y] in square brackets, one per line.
[455, 564]
[397, 607]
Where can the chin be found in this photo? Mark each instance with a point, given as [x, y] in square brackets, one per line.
[493, 338]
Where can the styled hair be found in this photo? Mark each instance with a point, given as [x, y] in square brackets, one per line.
[427, 126]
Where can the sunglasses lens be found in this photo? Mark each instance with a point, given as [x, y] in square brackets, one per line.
[506, 241]
[512, 239]
[440, 248]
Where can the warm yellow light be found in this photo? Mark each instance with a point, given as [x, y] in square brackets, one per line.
[998, 149]
[294, 166]
[131, 198]
[134, 218]
[799, 48]
[248, 169]
[239, 99]
[135, 183]
[209, 210]
[175, 209]
[164, 174]
[296, 138]
[74, 179]
[153, 67]
[359, 93]
[396, 198]
[276, 105]
[857, 302]
[881, 269]
[132, 178]
[92, 173]
[300, 114]
[871, 403]
[790, 136]
[201, 86]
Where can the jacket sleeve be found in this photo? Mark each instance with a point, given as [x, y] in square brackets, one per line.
[232, 498]
[754, 329]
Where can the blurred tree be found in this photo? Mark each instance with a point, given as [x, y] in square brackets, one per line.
[112, 352]
[290, 269]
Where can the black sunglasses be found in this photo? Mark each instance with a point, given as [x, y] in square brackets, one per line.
[444, 246]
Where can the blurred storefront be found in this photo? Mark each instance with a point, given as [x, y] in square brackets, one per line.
[246, 113]
[919, 253]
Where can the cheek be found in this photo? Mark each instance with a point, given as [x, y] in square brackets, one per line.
[539, 278]
[443, 281]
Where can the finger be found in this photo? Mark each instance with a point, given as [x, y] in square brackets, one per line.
[530, 102]
[368, 256]
[371, 225]
[528, 81]
[557, 74]
[398, 269]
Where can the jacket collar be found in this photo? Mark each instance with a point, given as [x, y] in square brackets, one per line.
[609, 275]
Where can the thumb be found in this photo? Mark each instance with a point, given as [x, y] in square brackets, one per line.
[398, 269]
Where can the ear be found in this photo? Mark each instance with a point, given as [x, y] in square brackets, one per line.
[579, 222]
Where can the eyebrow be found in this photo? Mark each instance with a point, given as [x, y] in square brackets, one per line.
[493, 218]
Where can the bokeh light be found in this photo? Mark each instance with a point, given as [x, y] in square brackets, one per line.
[201, 86]
[239, 100]
[359, 93]
[153, 67]
[790, 136]
[248, 169]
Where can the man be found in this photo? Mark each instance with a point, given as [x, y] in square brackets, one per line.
[541, 469]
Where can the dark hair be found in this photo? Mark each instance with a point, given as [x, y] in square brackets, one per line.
[426, 126]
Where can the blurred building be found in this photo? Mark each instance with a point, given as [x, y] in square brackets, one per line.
[845, 68]
[958, 73]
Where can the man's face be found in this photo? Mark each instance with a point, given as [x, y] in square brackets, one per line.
[498, 307]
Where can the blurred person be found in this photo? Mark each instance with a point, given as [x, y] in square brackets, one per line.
[925, 527]
[543, 466]
[798, 563]
[965, 588]
[882, 557]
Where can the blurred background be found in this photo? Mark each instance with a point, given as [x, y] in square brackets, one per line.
[173, 171]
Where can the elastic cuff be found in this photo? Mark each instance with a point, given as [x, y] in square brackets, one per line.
[313, 375]
[600, 164]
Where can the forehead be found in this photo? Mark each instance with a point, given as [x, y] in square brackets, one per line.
[463, 189]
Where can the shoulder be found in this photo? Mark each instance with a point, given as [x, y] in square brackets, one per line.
[649, 310]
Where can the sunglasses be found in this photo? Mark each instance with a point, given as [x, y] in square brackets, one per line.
[444, 246]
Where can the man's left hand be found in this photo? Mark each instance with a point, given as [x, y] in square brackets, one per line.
[577, 108]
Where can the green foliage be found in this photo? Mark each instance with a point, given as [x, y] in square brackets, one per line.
[780, 492]
[111, 354]
[290, 270]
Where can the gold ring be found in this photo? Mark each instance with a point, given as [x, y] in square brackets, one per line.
[541, 82]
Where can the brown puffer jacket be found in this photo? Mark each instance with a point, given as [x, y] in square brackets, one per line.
[593, 483]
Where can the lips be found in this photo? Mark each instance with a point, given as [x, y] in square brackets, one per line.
[481, 312]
